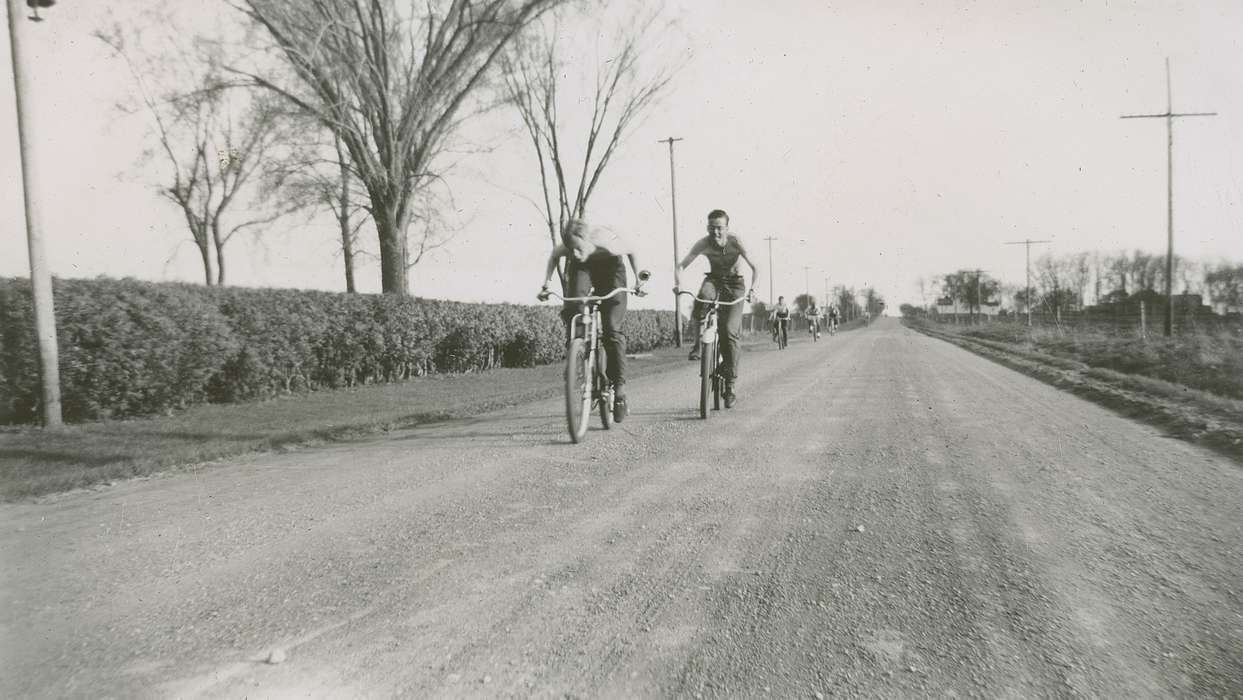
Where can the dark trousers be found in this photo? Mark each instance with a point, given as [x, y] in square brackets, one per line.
[782, 326]
[729, 318]
[602, 276]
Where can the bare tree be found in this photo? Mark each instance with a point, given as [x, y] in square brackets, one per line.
[315, 175]
[392, 83]
[629, 76]
[213, 141]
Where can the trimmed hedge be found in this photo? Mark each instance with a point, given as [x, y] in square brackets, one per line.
[132, 348]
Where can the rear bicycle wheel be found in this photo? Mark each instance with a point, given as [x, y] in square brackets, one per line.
[603, 392]
[707, 372]
[577, 389]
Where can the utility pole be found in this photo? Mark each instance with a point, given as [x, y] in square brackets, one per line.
[673, 193]
[1028, 298]
[1169, 116]
[40, 276]
[826, 293]
[806, 286]
[979, 303]
[771, 298]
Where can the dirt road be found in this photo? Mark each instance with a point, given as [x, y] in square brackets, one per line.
[883, 514]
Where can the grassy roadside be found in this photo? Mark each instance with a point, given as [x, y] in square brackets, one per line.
[34, 462]
[1207, 418]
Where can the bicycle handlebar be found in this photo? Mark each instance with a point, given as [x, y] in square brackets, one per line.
[718, 302]
[610, 295]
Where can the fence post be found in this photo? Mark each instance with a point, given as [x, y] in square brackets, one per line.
[1143, 320]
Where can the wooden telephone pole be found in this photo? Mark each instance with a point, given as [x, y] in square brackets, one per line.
[1169, 115]
[771, 298]
[673, 193]
[40, 276]
[1028, 298]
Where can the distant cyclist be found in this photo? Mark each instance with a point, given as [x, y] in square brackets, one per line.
[813, 319]
[780, 318]
[594, 260]
[724, 281]
[834, 317]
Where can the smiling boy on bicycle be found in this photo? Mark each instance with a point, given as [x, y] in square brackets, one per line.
[594, 260]
[724, 281]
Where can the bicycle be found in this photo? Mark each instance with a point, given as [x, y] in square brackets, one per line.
[587, 387]
[781, 333]
[813, 327]
[711, 383]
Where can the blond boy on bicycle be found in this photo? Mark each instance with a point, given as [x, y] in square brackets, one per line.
[594, 260]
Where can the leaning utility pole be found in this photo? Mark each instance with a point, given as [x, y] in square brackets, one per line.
[673, 193]
[40, 277]
[1027, 301]
[771, 298]
[1169, 116]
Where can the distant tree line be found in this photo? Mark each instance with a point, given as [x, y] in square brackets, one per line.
[1067, 283]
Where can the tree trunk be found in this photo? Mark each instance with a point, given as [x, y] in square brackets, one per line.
[347, 243]
[200, 241]
[347, 252]
[219, 243]
[343, 218]
[392, 240]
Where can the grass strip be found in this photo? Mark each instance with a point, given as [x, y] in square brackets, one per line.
[36, 462]
[1183, 412]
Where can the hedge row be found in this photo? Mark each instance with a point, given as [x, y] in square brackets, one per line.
[132, 348]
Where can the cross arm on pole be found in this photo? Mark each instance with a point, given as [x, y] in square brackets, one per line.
[1168, 114]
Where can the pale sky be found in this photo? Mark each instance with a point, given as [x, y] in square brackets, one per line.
[876, 145]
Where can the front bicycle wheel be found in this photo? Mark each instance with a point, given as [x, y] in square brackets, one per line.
[603, 392]
[716, 380]
[707, 371]
[577, 389]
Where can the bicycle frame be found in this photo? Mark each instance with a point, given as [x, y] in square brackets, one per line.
[710, 380]
[587, 326]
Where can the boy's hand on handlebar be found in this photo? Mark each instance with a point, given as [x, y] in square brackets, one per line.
[543, 293]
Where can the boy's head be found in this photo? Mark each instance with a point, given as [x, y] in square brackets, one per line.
[718, 226]
[576, 239]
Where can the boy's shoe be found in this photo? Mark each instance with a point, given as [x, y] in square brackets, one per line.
[730, 397]
[694, 353]
[620, 408]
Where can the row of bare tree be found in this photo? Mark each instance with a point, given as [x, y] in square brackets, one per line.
[1069, 282]
[355, 108]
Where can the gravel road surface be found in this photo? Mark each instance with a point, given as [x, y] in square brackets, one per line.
[882, 515]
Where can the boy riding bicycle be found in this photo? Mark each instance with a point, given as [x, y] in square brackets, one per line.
[780, 318]
[594, 260]
[724, 281]
[813, 319]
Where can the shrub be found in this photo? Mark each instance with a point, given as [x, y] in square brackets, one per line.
[130, 348]
[126, 347]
